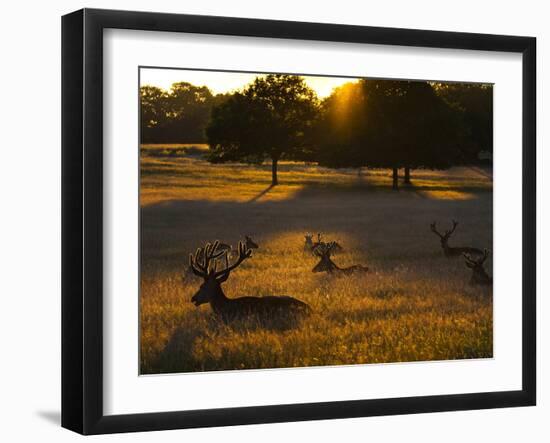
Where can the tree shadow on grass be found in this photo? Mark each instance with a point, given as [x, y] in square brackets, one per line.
[396, 222]
[261, 194]
[474, 189]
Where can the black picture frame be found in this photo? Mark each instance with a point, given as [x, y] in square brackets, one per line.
[82, 218]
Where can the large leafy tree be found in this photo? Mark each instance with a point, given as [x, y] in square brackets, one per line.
[388, 124]
[269, 119]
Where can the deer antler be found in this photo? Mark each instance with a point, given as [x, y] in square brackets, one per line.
[484, 257]
[449, 232]
[324, 249]
[201, 261]
[330, 247]
[434, 229]
[223, 275]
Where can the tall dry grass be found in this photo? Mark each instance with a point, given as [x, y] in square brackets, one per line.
[414, 305]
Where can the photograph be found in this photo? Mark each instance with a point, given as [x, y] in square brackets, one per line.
[293, 220]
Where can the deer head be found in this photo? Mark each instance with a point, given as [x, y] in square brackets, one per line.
[204, 264]
[444, 238]
[479, 275]
[250, 244]
[323, 251]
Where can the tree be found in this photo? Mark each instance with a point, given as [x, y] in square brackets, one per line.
[268, 119]
[189, 108]
[153, 112]
[179, 115]
[433, 130]
[389, 124]
[473, 105]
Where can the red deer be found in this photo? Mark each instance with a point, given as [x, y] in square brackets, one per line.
[450, 251]
[479, 275]
[327, 265]
[266, 309]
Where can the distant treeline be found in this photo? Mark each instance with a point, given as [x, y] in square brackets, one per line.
[374, 123]
[179, 115]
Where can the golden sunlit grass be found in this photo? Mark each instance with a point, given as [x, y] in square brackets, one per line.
[448, 195]
[414, 305]
[179, 172]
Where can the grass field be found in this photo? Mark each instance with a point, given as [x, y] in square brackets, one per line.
[415, 304]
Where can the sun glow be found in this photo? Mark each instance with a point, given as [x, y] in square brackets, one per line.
[345, 96]
[221, 82]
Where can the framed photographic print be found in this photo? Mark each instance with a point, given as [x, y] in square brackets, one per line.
[270, 221]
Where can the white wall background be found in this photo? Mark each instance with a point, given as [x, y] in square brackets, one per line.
[30, 219]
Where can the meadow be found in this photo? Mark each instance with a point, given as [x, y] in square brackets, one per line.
[414, 304]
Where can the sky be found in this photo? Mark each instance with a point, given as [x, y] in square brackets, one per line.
[219, 82]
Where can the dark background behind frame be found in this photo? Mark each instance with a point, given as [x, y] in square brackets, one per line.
[82, 194]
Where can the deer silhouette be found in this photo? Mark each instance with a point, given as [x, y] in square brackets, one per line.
[450, 251]
[479, 275]
[326, 264]
[263, 309]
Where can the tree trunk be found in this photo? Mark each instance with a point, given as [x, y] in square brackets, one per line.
[395, 185]
[407, 179]
[274, 180]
